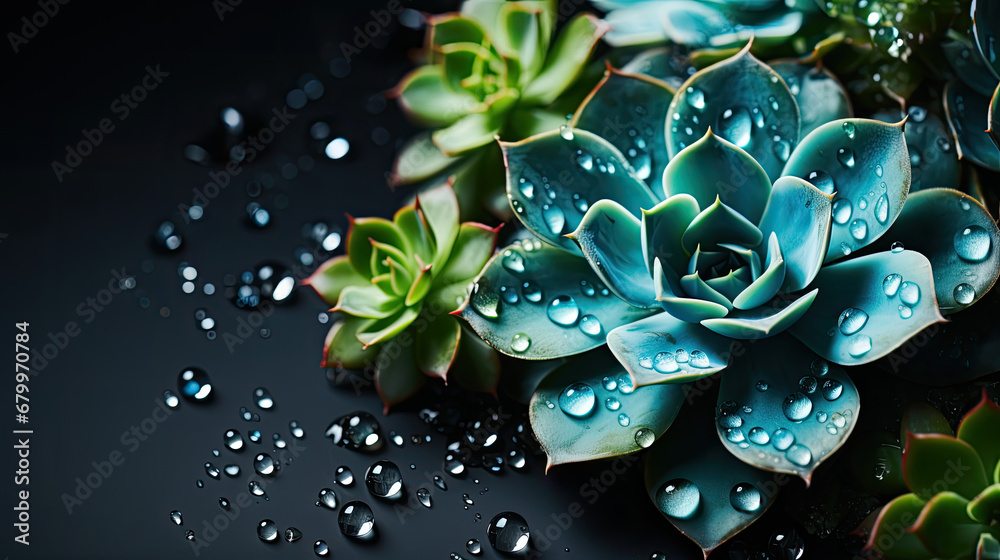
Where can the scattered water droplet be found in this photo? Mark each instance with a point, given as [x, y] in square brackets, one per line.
[520, 343]
[454, 466]
[577, 400]
[905, 312]
[292, 534]
[320, 548]
[267, 530]
[624, 420]
[344, 476]
[762, 385]
[782, 439]
[909, 293]
[852, 320]
[263, 398]
[882, 209]
[859, 345]
[584, 160]
[527, 188]
[972, 243]
[508, 533]
[513, 261]
[799, 455]
[897, 247]
[233, 440]
[849, 129]
[256, 489]
[384, 480]
[808, 384]
[564, 311]
[264, 465]
[644, 437]
[665, 362]
[759, 436]
[797, 407]
[859, 229]
[964, 294]
[473, 547]
[176, 517]
[440, 483]
[735, 126]
[821, 180]
[554, 217]
[591, 325]
[531, 292]
[328, 498]
[212, 470]
[745, 497]
[695, 98]
[356, 520]
[678, 498]
[612, 403]
[625, 385]
[782, 150]
[359, 431]
[609, 383]
[566, 132]
[842, 211]
[424, 496]
[232, 471]
[890, 284]
[846, 157]
[832, 389]
[170, 399]
[195, 385]
[878, 170]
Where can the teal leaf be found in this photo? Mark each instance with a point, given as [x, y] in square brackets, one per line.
[944, 527]
[662, 228]
[741, 99]
[664, 349]
[510, 306]
[988, 547]
[767, 320]
[992, 119]
[694, 286]
[634, 25]
[621, 109]
[820, 96]
[963, 56]
[869, 306]
[553, 178]
[697, 485]
[960, 239]
[799, 214]
[419, 160]
[566, 59]
[968, 117]
[933, 157]
[766, 286]
[667, 64]
[796, 419]
[608, 237]
[677, 303]
[985, 26]
[435, 343]
[587, 409]
[866, 166]
[720, 224]
[397, 376]
[935, 463]
[890, 538]
[713, 169]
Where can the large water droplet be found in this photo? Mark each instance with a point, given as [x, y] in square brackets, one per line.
[852, 320]
[972, 243]
[859, 345]
[359, 431]
[782, 439]
[233, 440]
[846, 157]
[591, 325]
[384, 480]
[328, 498]
[799, 455]
[729, 415]
[195, 385]
[644, 437]
[624, 420]
[267, 530]
[890, 284]
[577, 400]
[264, 464]
[882, 209]
[819, 367]
[859, 229]
[735, 125]
[842, 210]
[796, 407]
[473, 547]
[513, 261]
[964, 294]
[678, 498]
[356, 520]
[699, 359]
[320, 548]
[563, 311]
[344, 476]
[531, 292]
[832, 389]
[263, 398]
[745, 497]
[759, 436]
[485, 301]
[665, 362]
[808, 384]
[909, 293]
[424, 497]
[520, 343]
[554, 218]
[176, 517]
[508, 533]
[625, 385]
[821, 180]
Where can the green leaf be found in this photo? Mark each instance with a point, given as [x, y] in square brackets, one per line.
[944, 527]
[367, 301]
[333, 276]
[642, 414]
[439, 209]
[814, 413]
[608, 237]
[525, 37]
[774, 317]
[428, 97]
[342, 348]
[662, 230]
[474, 130]
[820, 96]
[944, 225]
[852, 159]
[979, 429]
[509, 308]
[888, 298]
[359, 241]
[420, 287]
[799, 214]
[688, 461]
[566, 59]
[396, 375]
[664, 349]
[766, 286]
[477, 365]
[713, 169]
[890, 538]
[724, 97]
[552, 179]
[968, 116]
[419, 160]
[620, 110]
[414, 232]
[985, 508]
[985, 26]
[472, 249]
[435, 344]
[934, 463]
[933, 158]
[453, 28]
[719, 224]
[922, 418]
[373, 331]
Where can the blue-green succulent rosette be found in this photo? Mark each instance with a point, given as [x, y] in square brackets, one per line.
[713, 228]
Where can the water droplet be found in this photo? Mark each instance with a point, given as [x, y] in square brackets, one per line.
[849, 129]
[905, 312]
[786, 545]
[799, 454]
[292, 534]
[384, 480]
[267, 530]
[612, 403]
[644, 437]
[212, 470]
[859, 229]
[356, 520]
[473, 547]
[846, 157]
[842, 210]
[577, 400]
[862, 203]
[845, 249]
[832, 389]
[728, 416]
[852, 320]
[838, 419]
[624, 420]
[625, 385]
[467, 499]
[563, 311]
[909, 293]
[699, 359]
[808, 384]
[358, 431]
[821, 180]
[972, 243]
[665, 362]
[678, 498]
[531, 292]
[170, 399]
[195, 385]
[584, 160]
[695, 98]
[513, 261]
[508, 533]
[454, 465]
[859, 345]
[321, 548]
[262, 397]
[264, 465]
[256, 489]
[819, 367]
[782, 150]
[878, 170]
[797, 407]
[424, 497]
[609, 383]
[232, 471]
[759, 436]
[517, 459]
[328, 498]
[554, 218]
[964, 294]
[440, 483]
[762, 385]
[527, 188]
[591, 325]
[344, 476]
[882, 209]
[278, 442]
[224, 504]
[782, 439]
[745, 497]
[735, 125]
[233, 440]
[176, 517]
[520, 343]
[890, 284]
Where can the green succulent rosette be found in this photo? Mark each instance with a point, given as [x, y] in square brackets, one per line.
[953, 508]
[731, 224]
[497, 68]
[395, 289]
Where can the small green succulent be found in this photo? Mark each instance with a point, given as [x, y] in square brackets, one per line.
[734, 224]
[395, 288]
[953, 508]
[494, 69]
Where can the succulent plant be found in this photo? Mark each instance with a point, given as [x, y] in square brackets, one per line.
[495, 69]
[395, 288]
[953, 508]
[685, 228]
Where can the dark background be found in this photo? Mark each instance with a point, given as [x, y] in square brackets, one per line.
[63, 238]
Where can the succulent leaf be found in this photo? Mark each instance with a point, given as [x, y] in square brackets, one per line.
[426, 95]
[933, 157]
[473, 247]
[359, 243]
[662, 230]
[566, 59]
[333, 276]
[367, 301]
[419, 160]
[799, 215]
[342, 347]
[922, 418]
[963, 56]
[678, 303]
[988, 548]
[766, 286]
[718, 224]
[944, 527]
[436, 343]
[934, 463]
[985, 26]
[979, 429]
[477, 365]
[968, 118]
[985, 508]
[774, 317]
[373, 331]
[820, 96]
[890, 538]
[397, 377]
